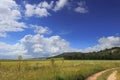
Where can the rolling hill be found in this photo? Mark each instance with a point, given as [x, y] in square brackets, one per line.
[107, 54]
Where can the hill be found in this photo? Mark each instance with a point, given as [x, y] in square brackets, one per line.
[107, 54]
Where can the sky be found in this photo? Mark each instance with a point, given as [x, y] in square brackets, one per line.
[43, 28]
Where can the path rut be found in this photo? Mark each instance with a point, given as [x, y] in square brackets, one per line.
[95, 76]
[112, 76]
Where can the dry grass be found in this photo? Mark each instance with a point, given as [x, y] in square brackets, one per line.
[118, 75]
[52, 70]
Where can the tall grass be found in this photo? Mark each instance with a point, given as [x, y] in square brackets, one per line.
[52, 69]
[118, 75]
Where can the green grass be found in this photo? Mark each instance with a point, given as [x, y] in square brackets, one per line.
[52, 70]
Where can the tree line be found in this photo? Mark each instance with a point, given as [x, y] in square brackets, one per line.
[107, 54]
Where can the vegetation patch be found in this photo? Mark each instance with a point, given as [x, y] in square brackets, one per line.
[118, 75]
[52, 69]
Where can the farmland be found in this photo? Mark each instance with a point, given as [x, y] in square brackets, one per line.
[53, 69]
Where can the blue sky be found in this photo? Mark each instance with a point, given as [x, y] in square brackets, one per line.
[40, 28]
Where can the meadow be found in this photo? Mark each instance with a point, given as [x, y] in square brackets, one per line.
[53, 69]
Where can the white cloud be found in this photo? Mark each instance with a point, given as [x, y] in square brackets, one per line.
[43, 8]
[82, 8]
[16, 13]
[40, 10]
[29, 9]
[41, 30]
[60, 4]
[9, 16]
[11, 26]
[105, 42]
[9, 10]
[12, 51]
[44, 4]
[38, 45]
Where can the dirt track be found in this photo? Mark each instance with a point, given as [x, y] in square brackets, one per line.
[112, 76]
[95, 76]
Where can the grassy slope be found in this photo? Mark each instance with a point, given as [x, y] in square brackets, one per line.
[107, 54]
[47, 70]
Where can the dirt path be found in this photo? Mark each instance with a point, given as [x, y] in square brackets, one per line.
[95, 76]
[112, 76]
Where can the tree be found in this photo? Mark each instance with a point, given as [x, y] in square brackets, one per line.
[20, 57]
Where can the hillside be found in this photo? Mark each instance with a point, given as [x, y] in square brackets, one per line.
[107, 54]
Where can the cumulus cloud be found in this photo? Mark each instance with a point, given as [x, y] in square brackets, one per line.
[82, 8]
[9, 16]
[43, 8]
[38, 45]
[41, 29]
[11, 26]
[35, 46]
[45, 4]
[105, 42]
[40, 10]
[60, 4]
[29, 10]
[12, 51]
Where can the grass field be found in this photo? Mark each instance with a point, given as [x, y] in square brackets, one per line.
[53, 69]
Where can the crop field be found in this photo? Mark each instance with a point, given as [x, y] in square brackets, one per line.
[53, 69]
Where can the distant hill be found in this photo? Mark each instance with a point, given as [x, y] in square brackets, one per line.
[107, 54]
